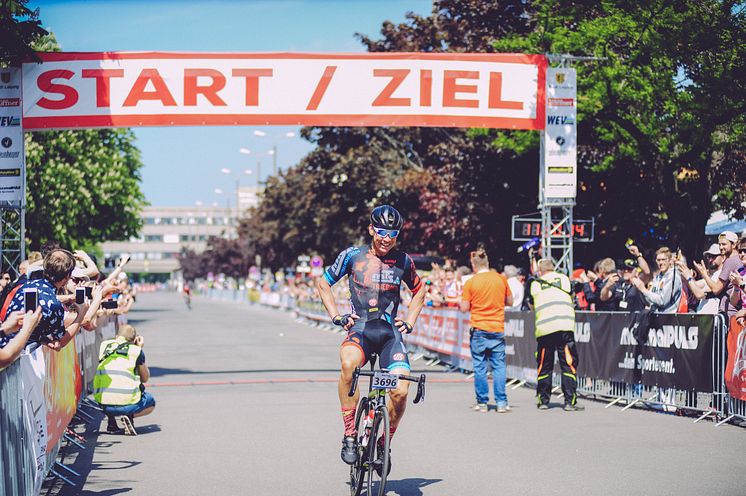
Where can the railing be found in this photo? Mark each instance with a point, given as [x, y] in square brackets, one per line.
[680, 367]
[39, 395]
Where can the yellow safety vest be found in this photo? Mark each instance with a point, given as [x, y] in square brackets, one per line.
[553, 306]
[116, 381]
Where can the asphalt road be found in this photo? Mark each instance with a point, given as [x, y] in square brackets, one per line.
[247, 405]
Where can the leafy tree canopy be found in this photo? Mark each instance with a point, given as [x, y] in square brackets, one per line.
[20, 27]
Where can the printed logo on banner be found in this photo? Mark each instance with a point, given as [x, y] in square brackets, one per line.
[10, 102]
[5, 77]
[582, 332]
[668, 336]
[6, 142]
[560, 77]
[561, 102]
[560, 141]
[560, 120]
[9, 121]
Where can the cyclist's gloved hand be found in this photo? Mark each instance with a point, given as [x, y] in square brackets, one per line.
[342, 320]
[404, 326]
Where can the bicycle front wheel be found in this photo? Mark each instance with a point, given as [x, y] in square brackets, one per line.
[358, 469]
[378, 453]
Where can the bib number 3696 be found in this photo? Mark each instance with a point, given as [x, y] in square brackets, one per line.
[382, 380]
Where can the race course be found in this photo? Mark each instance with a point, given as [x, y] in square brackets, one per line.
[247, 405]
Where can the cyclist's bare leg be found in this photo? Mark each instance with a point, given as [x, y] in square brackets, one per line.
[398, 400]
[350, 357]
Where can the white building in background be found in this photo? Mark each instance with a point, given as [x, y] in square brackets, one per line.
[166, 230]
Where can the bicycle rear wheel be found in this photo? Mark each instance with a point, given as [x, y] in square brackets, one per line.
[358, 469]
[379, 458]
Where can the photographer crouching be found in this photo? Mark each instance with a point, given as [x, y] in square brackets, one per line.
[119, 383]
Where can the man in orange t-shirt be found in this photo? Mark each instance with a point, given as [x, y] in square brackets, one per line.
[486, 295]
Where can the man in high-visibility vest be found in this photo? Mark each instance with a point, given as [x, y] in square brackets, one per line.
[551, 293]
[118, 385]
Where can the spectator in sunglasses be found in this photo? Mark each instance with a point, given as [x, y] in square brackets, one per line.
[4, 280]
[713, 262]
[51, 330]
[723, 287]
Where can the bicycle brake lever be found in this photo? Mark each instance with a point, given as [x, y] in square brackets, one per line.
[353, 387]
[420, 389]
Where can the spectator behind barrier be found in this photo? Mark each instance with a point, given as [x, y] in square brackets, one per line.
[516, 281]
[712, 264]
[723, 288]
[666, 294]
[603, 269]
[119, 383]
[52, 330]
[20, 326]
[619, 294]
[738, 279]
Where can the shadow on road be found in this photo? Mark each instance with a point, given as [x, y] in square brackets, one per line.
[81, 460]
[409, 487]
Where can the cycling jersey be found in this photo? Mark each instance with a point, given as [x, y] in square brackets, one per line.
[374, 281]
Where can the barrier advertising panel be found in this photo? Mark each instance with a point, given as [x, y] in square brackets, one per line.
[735, 370]
[11, 138]
[110, 89]
[677, 352]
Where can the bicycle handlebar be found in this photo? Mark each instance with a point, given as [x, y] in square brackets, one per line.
[419, 380]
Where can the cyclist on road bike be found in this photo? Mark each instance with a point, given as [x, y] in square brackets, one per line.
[375, 274]
[187, 295]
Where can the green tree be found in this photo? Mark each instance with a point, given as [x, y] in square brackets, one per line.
[661, 118]
[20, 28]
[83, 187]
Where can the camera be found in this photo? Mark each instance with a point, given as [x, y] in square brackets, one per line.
[89, 292]
[30, 299]
[109, 304]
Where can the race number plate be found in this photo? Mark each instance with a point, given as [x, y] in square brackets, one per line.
[382, 380]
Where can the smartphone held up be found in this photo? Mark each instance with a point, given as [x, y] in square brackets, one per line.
[30, 300]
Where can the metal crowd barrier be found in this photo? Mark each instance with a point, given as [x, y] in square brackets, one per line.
[39, 394]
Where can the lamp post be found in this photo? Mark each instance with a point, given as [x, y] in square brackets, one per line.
[273, 151]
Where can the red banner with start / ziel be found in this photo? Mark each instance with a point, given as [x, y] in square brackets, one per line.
[735, 369]
[124, 89]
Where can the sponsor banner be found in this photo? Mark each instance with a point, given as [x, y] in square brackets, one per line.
[735, 369]
[677, 352]
[125, 89]
[11, 138]
[61, 391]
[560, 134]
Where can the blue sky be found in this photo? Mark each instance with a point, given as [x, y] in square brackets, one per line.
[183, 164]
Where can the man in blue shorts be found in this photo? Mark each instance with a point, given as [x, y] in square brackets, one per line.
[375, 274]
[118, 384]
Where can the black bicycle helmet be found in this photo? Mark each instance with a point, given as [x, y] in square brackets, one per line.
[386, 217]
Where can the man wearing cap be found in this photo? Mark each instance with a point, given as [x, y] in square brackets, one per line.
[620, 292]
[722, 287]
[713, 261]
